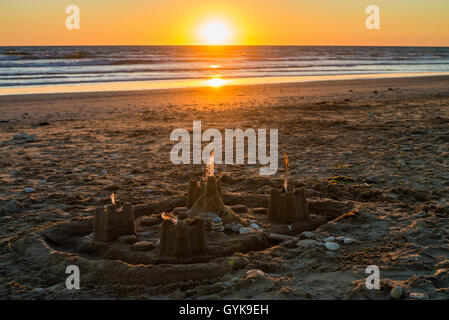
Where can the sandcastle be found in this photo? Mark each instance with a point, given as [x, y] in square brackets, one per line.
[113, 221]
[206, 197]
[181, 238]
[285, 206]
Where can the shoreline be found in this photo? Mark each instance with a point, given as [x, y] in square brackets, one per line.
[128, 86]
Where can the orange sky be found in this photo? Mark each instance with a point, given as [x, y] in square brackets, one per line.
[276, 22]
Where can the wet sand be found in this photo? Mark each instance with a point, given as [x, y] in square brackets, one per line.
[374, 151]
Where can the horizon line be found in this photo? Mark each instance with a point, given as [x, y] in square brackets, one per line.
[222, 45]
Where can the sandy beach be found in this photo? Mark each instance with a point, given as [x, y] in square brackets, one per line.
[373, 156]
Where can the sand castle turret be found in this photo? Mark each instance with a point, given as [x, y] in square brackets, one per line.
[181, 238]
[208, 198]
[113, 221]
[288, 207]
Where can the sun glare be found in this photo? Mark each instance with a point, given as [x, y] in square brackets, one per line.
[216, 82]
[215, 32]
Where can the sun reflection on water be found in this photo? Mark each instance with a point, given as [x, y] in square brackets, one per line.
[216, 82]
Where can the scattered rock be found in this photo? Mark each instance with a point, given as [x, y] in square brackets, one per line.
[31, 138]
[308, 243]
[143, 246]
[29, 189]
[279, 237]
[245, 230]
[332, 246]
[12, 206]
[254, 226]
[320, 244]
[37, 290]
[396, 292]
[348, 241]
[340, 238]
[329, 239]
[308, 235]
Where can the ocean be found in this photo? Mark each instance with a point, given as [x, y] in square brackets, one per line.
[37, 66]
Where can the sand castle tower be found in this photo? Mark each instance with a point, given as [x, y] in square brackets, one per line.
[287, 206]
[113, 221]
[206, 197]
[181, 238]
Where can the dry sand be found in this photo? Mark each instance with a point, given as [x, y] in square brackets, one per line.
[374, 151]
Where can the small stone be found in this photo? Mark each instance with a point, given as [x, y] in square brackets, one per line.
[279, 237]
[254, 226]
[308, 234]
[320, 244]
[331, 254]
[340, 238]
[31, 138]
[332, 246]
[245, 230]
[12, 206]
[348, 241]
[216, 220]
[396, 292]
[29, 189]
[37, 290]
[143, 246]
[329, 239]
[127, 239]
[308, 243]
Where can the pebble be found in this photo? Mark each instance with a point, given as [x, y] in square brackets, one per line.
[31, 138]
[308, 234]
[331, 254]
[29, 189]
[216, 220]
[245, 230]
[306, 243]
[37, 290]
[396, 292]
[340, 238]
[254, 226]
[329, 239]
[348, 241]
[12, 206]
[332, 246]
[320, 244]
[279, 237]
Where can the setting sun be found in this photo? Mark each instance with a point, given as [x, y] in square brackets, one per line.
[215, 32]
